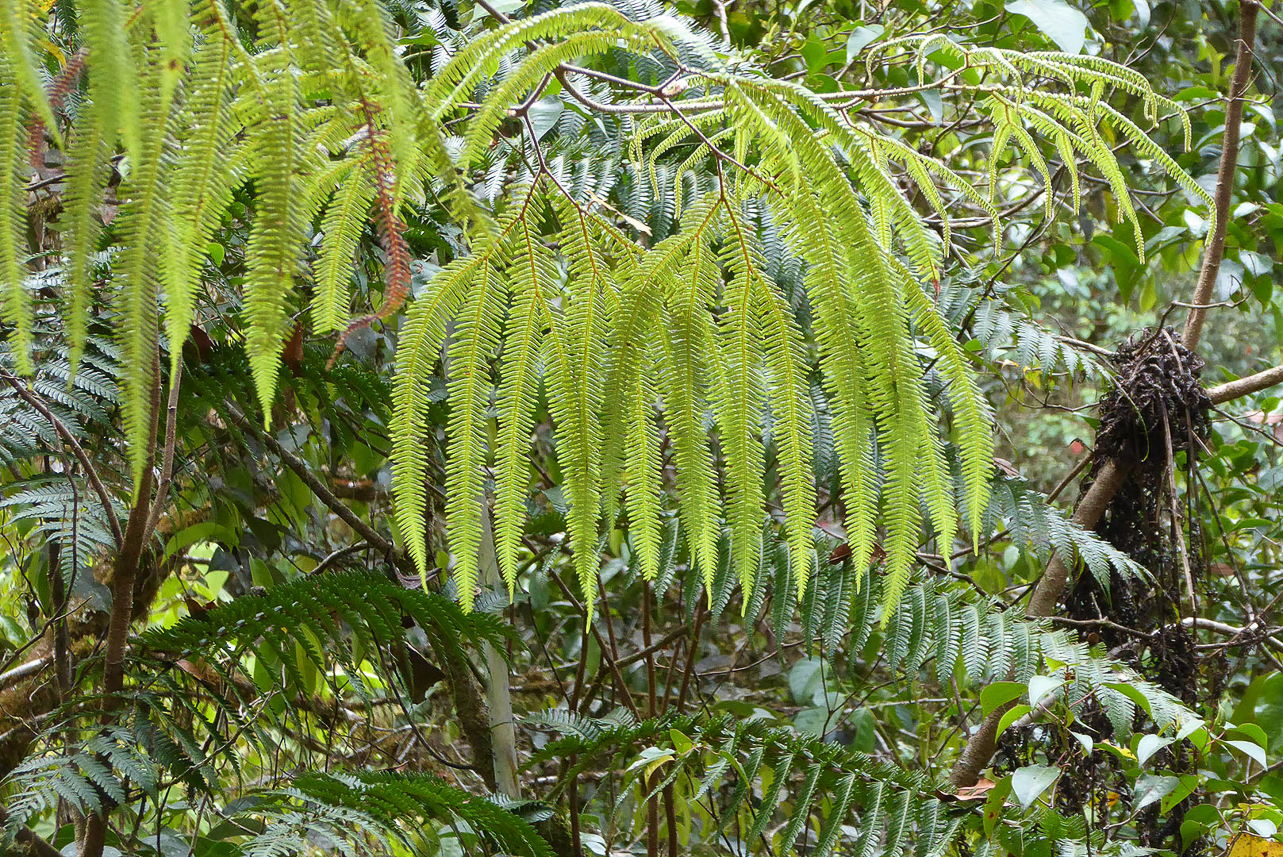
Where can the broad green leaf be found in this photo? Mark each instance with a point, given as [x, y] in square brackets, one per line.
[1059, 21]
[1028, 783]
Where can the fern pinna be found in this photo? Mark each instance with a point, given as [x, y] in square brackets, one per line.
[685, 353]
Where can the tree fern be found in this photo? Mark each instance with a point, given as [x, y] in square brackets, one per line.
[323, 118]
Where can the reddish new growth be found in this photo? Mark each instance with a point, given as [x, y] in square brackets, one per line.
[396, 271]
[58, 90]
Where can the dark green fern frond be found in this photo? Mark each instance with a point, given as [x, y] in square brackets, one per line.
[848, 793]
[343, 805]
[317, 608]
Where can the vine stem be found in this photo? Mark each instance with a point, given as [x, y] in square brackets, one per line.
[1224, 175]
[1113, 474]
[124, 574]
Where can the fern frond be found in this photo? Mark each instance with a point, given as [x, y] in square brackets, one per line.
[86, 176]
[13, 202]
[18, 31]
[477, 59]
[345, 219]
[390, 804]
[114, 77]
[791, 426]
[276, 232]
[422, 335]
[144, 222]
[472, 348]
[630, 430]
[688, 345]
[971, 411]
[533, 282]
[202, 183]
[738, 397]
[576, 359]
[328, 608]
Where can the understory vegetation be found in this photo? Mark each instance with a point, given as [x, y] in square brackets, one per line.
[804, 427]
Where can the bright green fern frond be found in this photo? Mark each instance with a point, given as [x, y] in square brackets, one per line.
[791, 425]
[418, 351]
[480, 56]
[738, 397]
[472, 348]
[836, 321]
[631, 436]
[13, 209]
[971, 412]
[18, 32]
[345, 220]
[86, 175]
[687, 376]
[533, 280]
[530, 72]
[114, 79]
[203, 182]
[272, 256]
[144, 221]
[398, 99]
[576, 364]
[417, 354]
[643, 462]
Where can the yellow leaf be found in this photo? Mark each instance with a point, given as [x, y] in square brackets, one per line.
[1247, 845]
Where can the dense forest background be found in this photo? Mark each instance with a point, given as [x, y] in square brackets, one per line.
[593, 429]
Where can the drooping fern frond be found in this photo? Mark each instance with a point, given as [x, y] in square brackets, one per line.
[576, 344]
[786, 227]
[204, 181]
[13, 202]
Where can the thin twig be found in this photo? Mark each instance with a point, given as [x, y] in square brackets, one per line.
[167, 459]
